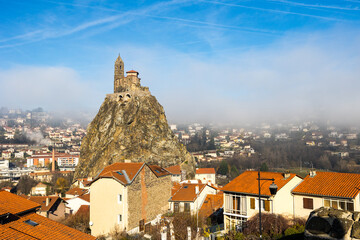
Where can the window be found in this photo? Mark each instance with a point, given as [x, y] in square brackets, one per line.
[186, 207]
[119, 198]
[267, 205]
[339, 204]
[31, 223]
[119, 218]
[176, 207]
[262, 204]
[252, 203]
[235, 203]
[308, 203]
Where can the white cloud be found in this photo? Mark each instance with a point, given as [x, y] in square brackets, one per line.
[300, 76]
[54, 88]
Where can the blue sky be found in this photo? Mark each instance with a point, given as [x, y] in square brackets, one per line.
[225, 61]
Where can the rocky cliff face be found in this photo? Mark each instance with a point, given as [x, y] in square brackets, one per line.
[131, 126]
[330, 223]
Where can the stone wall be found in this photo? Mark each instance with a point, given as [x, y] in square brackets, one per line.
[148, 196]
[329, 223]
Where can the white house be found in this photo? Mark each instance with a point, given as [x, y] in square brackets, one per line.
[75, 203]
[241, 196]
[190, 196]
[206, 175]
[175, 172]
[327, 189]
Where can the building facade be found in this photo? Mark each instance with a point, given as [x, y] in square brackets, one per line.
[327, 189]
[127, 195]
[241, 197]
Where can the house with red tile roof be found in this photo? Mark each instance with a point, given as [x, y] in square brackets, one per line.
[128, 196]
[211, 208]
[52, 207]
[75, 192]
[241, 196]
[73, 204]
[206, 175]
[175, 173]
[327, 189]
[19, 220]
[190, 196]
[82, 183]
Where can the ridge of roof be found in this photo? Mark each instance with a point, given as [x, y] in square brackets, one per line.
[330, 184]
[247, 182]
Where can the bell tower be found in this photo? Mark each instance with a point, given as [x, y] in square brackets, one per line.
[118, 73]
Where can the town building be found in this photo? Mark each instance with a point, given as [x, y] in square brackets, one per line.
[206, 175]
[327, 189]
[52, 207]
[44, 159]
[241, 196]
[128, 196]
[212, 208]
[175, 172]
[190, 196]
[39, 189]
[19, 220]
[74, 204]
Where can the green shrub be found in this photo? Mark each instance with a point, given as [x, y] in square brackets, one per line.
[294, 230]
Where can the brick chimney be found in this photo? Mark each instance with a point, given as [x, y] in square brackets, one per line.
[196, 189]
[312, 173]
[286, 174]
[53, 160]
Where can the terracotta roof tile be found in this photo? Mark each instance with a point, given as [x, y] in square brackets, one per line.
[211, 203]
[176, 186]
[132, 71]
[247, 182]
[46, 229]
[176, 170]
[85, 197]
[11, 234]
[159, 171]
[116, 171]
[186, 192]
[83, 209]
[77, 191]
[205, 171]
[15, 204]
[42, 201]
[331, 184]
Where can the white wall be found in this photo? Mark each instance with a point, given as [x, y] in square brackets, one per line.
[105, 208]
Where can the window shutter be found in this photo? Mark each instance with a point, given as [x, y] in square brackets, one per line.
[252, 203]
[308, 203]
[267, 205]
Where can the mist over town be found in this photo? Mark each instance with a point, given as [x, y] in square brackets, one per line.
[179, 119]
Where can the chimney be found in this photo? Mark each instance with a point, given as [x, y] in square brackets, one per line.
[312, 173]
[196, 189]
[286, 174]
[53, 160]
[47, 201]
